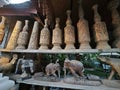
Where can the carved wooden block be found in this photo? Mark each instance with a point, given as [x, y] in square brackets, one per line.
[33, 43]
[57, 36]
[69, 34]
[23, 37]
[100, 31]
[14, 36]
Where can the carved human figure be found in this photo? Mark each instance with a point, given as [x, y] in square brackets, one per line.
[12, 43]
[100, 31]
[74, 66]
[57, 36]
[23, 37]
[44, 36]
[2, 27]
[113, 5]
[33, 43]
[83, 30]
[69, 33]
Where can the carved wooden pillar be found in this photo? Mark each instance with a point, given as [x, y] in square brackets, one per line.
[23, 37]
[33, 43]
[57, 36]
[83, 30]
[2, 27]
[14, 36]
[100, 31]
[113, 5]
[44, 36]
[69, 34]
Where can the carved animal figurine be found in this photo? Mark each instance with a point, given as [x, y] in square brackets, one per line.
[74, 66]
[114, 63]
[52, 68]
[8, 67]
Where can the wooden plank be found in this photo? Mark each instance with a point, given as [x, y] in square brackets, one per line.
[61, 84]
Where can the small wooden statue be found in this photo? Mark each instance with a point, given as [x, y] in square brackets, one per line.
[14, 36]
[69, 33]
[113, 5]
[83, 30]
[23, 37]
[100, 31]
[33, 43]
[2, 27]
[114, 63]
[45, 36]
[57, 36]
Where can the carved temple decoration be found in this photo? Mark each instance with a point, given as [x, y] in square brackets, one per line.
[57, 36]
[100, 31]
[23, 37]
[44, 36]
[83, 30]
[33, 43]
[14, 36]
[69, 33]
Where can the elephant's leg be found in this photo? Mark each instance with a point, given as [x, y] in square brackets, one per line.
[54, 75]
[81, 73]
[73, 72]
[111, 74]
[59, 73]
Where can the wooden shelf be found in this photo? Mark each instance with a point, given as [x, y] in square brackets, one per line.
[63, 51]
[61, 84]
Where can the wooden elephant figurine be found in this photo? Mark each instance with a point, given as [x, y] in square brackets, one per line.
[51, 68]
[74, 66]
[114, 63]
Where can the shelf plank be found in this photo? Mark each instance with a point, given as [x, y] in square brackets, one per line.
[61, 84]
[63, 51]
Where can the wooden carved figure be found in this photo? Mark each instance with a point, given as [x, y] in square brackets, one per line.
[74, 66]
[83, 30]
[100, 31]
[57, 36]
[23, 37]
[33, 43]
[114, 63]
[69, 33]
[113, 5]
[51, 68]
[2, 27]
[14, 36]
[44, 36]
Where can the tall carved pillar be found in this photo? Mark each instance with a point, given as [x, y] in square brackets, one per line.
[100, 31]
[23, 37]
[44, 36]
[57, 36]
[113, 5]
[33, 43]
[83, 30]
[2, 27]
[14, 36]
[69, 33]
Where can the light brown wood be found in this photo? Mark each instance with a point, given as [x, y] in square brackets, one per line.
[14, 36]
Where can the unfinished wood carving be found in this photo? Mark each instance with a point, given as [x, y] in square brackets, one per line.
[33, 43]
[83, 30]
[23, 37]
[14, 36]
[100, 31]
[57, 36]
[44, 36]
[113, 5]
[69, 33]
[2, 27]
[114, 63]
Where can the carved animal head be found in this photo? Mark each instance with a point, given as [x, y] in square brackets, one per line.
[66, 63]
[15, 57]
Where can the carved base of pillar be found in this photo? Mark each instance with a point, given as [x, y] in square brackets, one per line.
[43, 47]
[69, 46]
[20, 47]
[56, 47]
[103, 45]
[85, 45]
